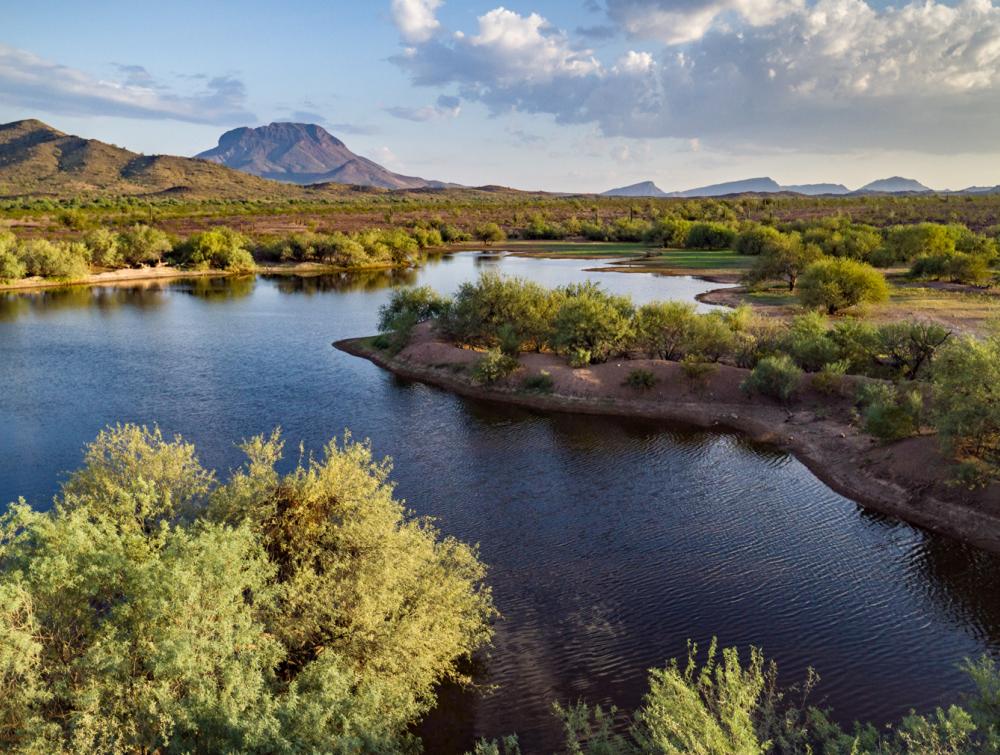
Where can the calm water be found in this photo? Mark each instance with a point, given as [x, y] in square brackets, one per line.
[610, 542]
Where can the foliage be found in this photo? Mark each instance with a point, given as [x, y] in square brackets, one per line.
[220, 248]
[54, 259]
[783, 257]
[698, 371]
[11, 266]
[105, 248]
[540, 383]
[907, 349]
[493, 366]
[834, 284]
[153, 609]
[710, 236]
[957, 267]
[966, 407]
[482, 309]
[143, 245]
[777, 376]
[755, 239]
[421, 301]
[890, 412]
[490, 233]
[830, 380]
[589, 319]
[807, 342]
[663, 329]
[640, 379]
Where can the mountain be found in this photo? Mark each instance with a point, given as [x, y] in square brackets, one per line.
[749, 185]
[893, 185]
[643, 189]
[36, 159]
[816, 189]
[304, 153]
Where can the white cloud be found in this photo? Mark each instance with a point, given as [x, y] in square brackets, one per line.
[832, 75]
[416, 19]
[29, 81]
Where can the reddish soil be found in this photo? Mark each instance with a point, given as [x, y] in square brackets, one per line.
[908, 479]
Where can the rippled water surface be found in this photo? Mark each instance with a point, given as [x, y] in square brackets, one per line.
[610, 543]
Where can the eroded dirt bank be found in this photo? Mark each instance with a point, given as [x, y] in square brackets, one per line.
[908, 479]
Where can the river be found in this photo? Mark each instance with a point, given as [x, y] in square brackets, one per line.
[610, 543]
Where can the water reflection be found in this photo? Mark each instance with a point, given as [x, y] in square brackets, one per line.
[50, 301]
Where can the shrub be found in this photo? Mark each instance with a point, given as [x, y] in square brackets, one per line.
[490, 233]
[710, 338]
[218, 248]
[755, 239]
[640, 379]
[698, 371]
[966, 381]
[710, 236]
[907, 242]
[579, 358]
[907, 349]
[104, 248]
[588, 319]
[494, 365]
[664, 328]
[808, 344]
[834, 284]
[671, 233]
[777, 376]
[957, 267]
[830, 379]
[142, 245]
[540, 383]
[783, 257]
[423, 302]
[54, 259]
[889, 412]
[481, 309]
[11, 266]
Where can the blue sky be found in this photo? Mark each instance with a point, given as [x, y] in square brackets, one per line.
[553, 94]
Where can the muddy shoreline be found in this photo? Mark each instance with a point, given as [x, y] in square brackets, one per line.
[907, 480]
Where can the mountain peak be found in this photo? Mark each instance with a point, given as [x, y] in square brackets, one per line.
[641, 189]
[303, 153]
[894, 184]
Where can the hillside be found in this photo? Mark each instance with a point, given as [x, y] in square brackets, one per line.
[642, 189]
[894, 185]
[36, 159]
[304, 153]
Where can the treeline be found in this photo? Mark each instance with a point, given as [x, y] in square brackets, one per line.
[722, 705]
[157, 609]
[893, 366]
[219, 248]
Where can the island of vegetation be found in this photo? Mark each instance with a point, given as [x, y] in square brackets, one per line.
[902, 417]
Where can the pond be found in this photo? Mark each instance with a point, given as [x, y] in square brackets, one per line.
[610, 543]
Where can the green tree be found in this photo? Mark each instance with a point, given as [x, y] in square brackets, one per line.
[219, 248]
[593, 322]
[834, 284]
[664, 328]
[143, 245]
[490, 233]
[784, 257]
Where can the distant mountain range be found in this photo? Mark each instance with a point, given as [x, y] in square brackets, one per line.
[766, 185]
[304, 153]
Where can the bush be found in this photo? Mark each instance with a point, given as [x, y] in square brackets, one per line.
[710, 338]
[11, 266]
[142, 245]
[275, 612]
[580, 358]
[588, 319]
[957, 267]
[540, 383]
[808, 343]
[664, 328]
[493, 366]
[640, 379]
[423, 302]
[697, 371]
[481, 310]
[490, 233]
[710, 236]
[966, 381]
[671, 233]
[54, 259]
[778, 377]
[889, 412]
[835, 284]
[783, 257]
[755, 239]
[218, 248]
[103, 246]
[906, 349]
[830, 379]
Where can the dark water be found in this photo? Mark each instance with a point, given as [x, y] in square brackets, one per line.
[610, 542]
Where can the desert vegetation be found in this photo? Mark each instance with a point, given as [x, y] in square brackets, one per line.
[905, 377]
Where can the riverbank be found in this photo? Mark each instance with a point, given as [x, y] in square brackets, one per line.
[908, 479]
[168, 272]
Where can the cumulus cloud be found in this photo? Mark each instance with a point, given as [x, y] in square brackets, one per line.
[831, 74]
[446, 107]
[416, 19]
[29, 81]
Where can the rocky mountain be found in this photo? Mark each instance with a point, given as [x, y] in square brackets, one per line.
[304, 153]
[813, 190]
[642, 189]
[749, 185]
[894, 185]
[36, 159]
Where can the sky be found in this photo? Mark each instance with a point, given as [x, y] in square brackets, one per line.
[560, 95]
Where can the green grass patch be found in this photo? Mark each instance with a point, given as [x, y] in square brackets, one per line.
[585, 249]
